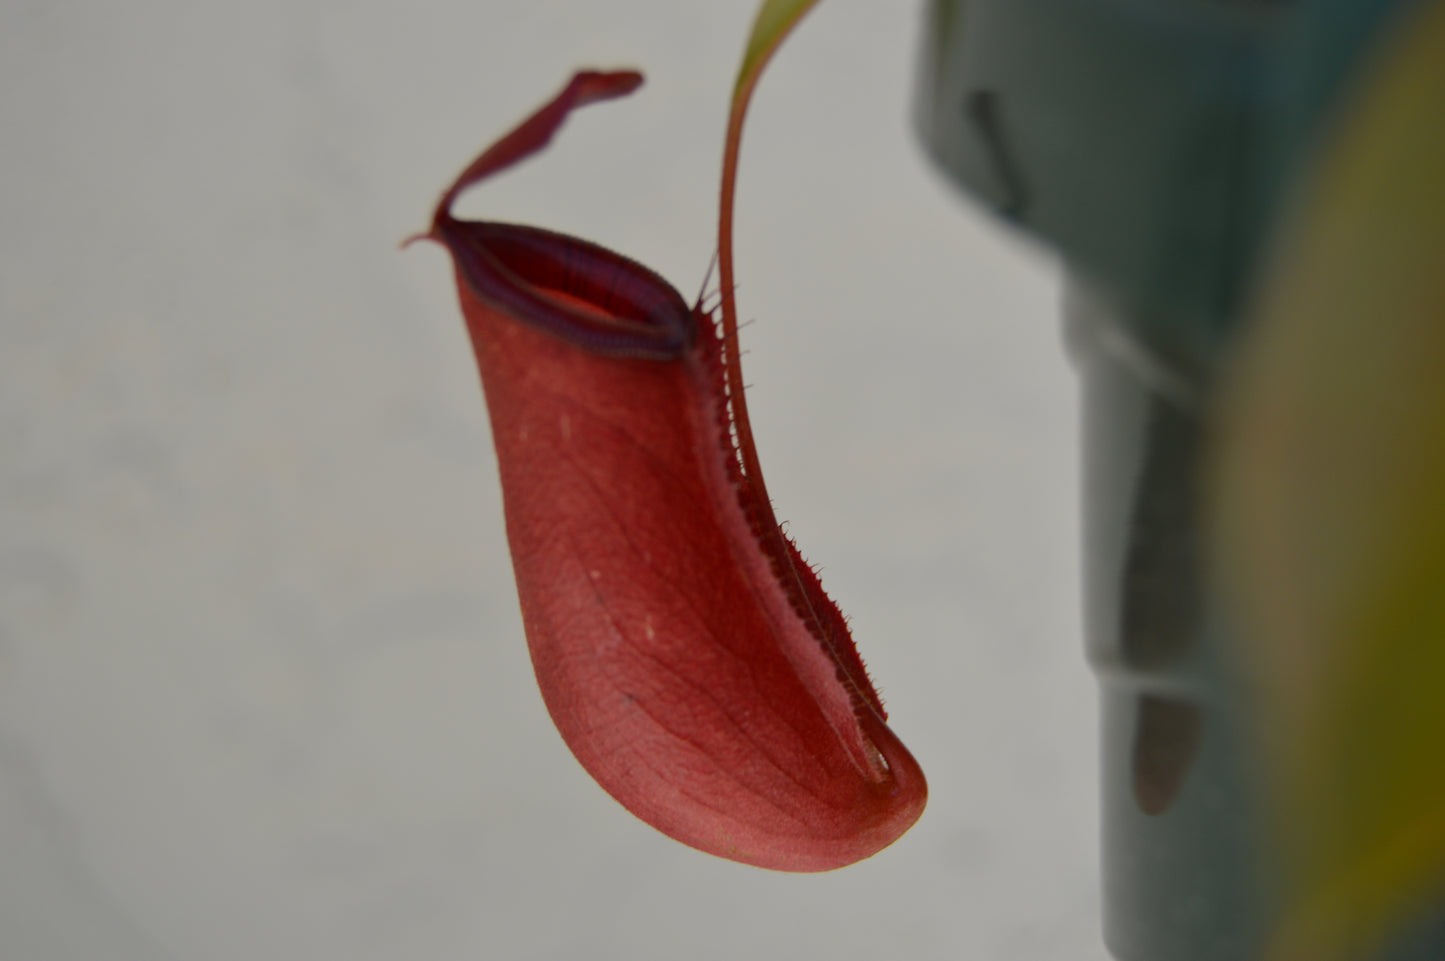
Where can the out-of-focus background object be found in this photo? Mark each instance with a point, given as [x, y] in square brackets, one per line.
[1249, 197]
[1331, 530]
[263, 687]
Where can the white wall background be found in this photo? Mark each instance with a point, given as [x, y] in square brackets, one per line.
[263, 688]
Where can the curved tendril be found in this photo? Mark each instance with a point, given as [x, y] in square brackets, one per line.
[756, 59]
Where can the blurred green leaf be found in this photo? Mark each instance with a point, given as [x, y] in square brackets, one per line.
[1330, 512]
[775, 18]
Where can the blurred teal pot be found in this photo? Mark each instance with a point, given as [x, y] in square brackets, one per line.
[1151, 146]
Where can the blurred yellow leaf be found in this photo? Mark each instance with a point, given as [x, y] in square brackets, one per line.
[1329, 516]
